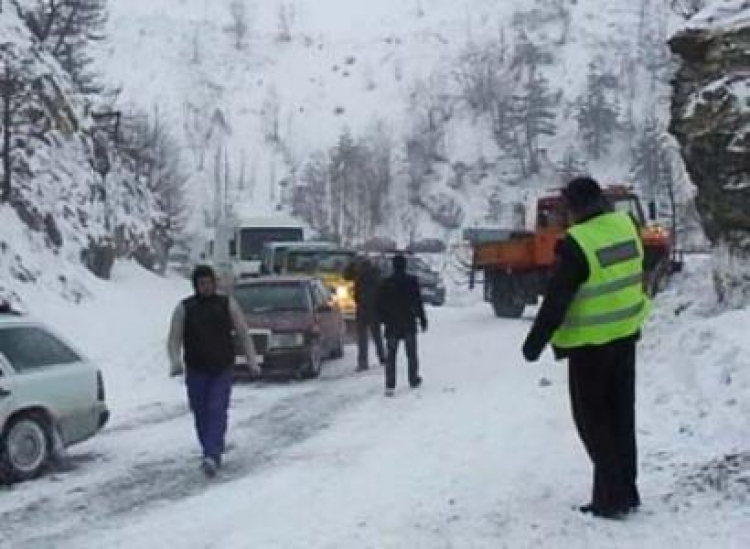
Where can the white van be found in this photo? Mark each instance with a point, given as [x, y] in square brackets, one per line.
[237, 248]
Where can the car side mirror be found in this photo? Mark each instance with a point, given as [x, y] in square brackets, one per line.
[652, 211]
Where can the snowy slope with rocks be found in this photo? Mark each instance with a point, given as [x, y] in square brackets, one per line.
[55, 209]
[305, 71]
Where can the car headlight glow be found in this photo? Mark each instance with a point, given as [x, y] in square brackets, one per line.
[342, 292]
[286, 340]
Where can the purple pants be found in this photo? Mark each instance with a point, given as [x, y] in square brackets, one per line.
[208, 395]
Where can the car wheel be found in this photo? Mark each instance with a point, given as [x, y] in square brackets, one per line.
[314, 363]
[25, 447]
[338, 350]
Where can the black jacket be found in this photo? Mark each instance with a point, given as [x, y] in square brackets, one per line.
[367, 281]
[208, 340]
[400, 305]
[570, 273]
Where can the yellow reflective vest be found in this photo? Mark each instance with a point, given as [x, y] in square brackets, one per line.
[611, 304]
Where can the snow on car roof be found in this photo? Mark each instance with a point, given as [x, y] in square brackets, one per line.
[276, 279]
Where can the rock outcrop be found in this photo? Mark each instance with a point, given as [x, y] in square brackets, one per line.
[711, 118]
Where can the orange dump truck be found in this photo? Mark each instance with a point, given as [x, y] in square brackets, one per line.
[517, 264]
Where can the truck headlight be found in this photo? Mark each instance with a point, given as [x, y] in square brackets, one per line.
[286, 340]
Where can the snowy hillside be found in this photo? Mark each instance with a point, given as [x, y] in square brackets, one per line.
[74, 191]
[258, 90]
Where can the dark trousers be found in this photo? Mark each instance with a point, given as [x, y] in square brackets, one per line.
[208, 395]
[410, 341]
[602, 396]
[366, 329]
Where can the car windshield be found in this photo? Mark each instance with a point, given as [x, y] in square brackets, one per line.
[253, 238]
[263, 298]
[414, 265]
[314, 261]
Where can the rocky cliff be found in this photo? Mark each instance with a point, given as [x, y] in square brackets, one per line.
[711, 118]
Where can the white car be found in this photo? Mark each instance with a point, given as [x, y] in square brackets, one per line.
[50, 397]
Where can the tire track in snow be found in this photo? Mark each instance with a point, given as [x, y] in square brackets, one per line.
[257, 443]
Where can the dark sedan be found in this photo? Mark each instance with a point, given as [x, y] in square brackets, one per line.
[433, 289]
[293, 322]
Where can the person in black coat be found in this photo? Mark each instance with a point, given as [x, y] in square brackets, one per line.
[601, 378]
[367, 280]
[401, 309]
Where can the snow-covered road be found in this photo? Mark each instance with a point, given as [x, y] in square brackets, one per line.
[483, 455]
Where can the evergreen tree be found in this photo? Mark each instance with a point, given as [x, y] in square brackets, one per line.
[572, 165]
[650, 161]
[597, 112]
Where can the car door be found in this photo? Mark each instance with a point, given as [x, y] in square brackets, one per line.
[48, 373]
[6, 391]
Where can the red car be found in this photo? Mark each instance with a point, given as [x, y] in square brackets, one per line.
[293, 321]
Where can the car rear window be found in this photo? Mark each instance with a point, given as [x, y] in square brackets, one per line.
[262, 298]
[31, 347]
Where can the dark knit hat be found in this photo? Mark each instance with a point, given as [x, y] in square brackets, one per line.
[582, 193]
[202, 271]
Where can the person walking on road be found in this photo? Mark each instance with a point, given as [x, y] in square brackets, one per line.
[400, 308]
[592, 313]
[367, 281]
[203, 327]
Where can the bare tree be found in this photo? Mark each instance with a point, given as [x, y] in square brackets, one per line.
[22, 117]
[9, 87]
[271, 115]
[152, 154]
[66, 28]
[240, 26]
[687, 8]
[343, 194]
[286, 17]
[196, 52]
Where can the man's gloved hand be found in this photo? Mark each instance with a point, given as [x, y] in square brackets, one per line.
[423, 324]
[532, 350]
[253, 367]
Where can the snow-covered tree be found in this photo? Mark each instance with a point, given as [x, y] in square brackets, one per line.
[66, 29]
[153, 156]
[572, 165]
[23, 117]
[597, 111]
[650, 161]
[534, 113]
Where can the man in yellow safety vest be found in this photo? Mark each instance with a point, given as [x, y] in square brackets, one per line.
[592, 314]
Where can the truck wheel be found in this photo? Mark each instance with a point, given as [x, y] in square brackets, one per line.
[507, 300]
[656, 280]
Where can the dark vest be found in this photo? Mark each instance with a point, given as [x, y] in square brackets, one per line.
[208, 340]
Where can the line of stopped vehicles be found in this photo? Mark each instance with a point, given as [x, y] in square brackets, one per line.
[300, 310]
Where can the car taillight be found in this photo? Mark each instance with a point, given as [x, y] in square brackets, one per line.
[100, 387]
